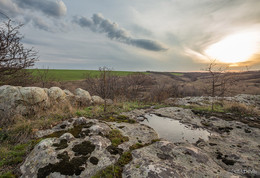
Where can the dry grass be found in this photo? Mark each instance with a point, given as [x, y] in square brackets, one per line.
[241, 108]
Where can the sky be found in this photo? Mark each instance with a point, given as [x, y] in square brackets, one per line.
[139, 35]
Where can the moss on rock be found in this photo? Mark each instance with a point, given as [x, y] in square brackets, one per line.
[65, 166]
[63, 144]
[84, 148]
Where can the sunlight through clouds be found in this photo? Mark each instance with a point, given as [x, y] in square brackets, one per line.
[235, 48]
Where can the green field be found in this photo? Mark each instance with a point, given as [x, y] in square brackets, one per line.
[177, 74]
[70, 75]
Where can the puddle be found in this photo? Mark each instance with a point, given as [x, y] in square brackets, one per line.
[174, 131]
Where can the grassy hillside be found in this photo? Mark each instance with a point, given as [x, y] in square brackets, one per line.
[70, 75]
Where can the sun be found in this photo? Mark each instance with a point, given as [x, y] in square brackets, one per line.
[234, 48]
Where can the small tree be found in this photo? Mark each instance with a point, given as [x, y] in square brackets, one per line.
[14, 57]
[220, 80]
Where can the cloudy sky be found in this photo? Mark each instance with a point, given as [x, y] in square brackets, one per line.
[165, 35]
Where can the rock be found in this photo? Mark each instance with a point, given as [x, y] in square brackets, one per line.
[83, 97]
[56, 94]
[32, 95]
[68, 154]
[135, 113]
[164, 159]
[22, 100]
[68, 93]
[98, 100]
[80, 148]
[109, 102]
[140, 119]
[137, 134]
[170, 101]
[246, 99]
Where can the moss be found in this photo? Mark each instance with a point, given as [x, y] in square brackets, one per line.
[112, 171]
[115, 171]
[93, 160]
[84, 148]
[116, 137]
[119, 119]
[125, 158]
[63, 144]
[114, 150]
[7, 175]
[65, 166]
[136, 146]
[76, 131]
[140, 145]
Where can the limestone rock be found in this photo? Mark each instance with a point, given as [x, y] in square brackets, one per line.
[83, 96]
[98, 100]
[137, 134]
[109, 102]
[68, 93]
[56, 94]
[22, 100]
[80, 153]
[165, 159]
[79, 148]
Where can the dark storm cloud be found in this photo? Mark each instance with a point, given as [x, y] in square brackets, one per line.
[55, 8]
[99, 24]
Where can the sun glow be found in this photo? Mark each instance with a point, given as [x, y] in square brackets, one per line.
[235, 48]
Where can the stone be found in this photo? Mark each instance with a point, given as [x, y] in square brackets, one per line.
[109, 102]
[98, 100]
[22, 100]
[67, 155]
[83, 97]
[137, 134]
[56, 94]
[165, 159]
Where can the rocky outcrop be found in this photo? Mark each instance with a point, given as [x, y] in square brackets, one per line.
[81, 147]
[233, 143]
[31, 100]
[165, 159]
[246, 99]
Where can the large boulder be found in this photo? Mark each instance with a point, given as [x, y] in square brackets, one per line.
[83, 97]
[56, 94]
[22, 100]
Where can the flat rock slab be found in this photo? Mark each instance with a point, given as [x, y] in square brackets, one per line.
[233, 145]
[137, 133]
[79, 148]
[164, 159]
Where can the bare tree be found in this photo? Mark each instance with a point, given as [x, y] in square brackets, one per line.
[44, 77]
[220, 80]
[14, 57]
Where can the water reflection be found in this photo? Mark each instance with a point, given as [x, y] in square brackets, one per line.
[174, 131]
